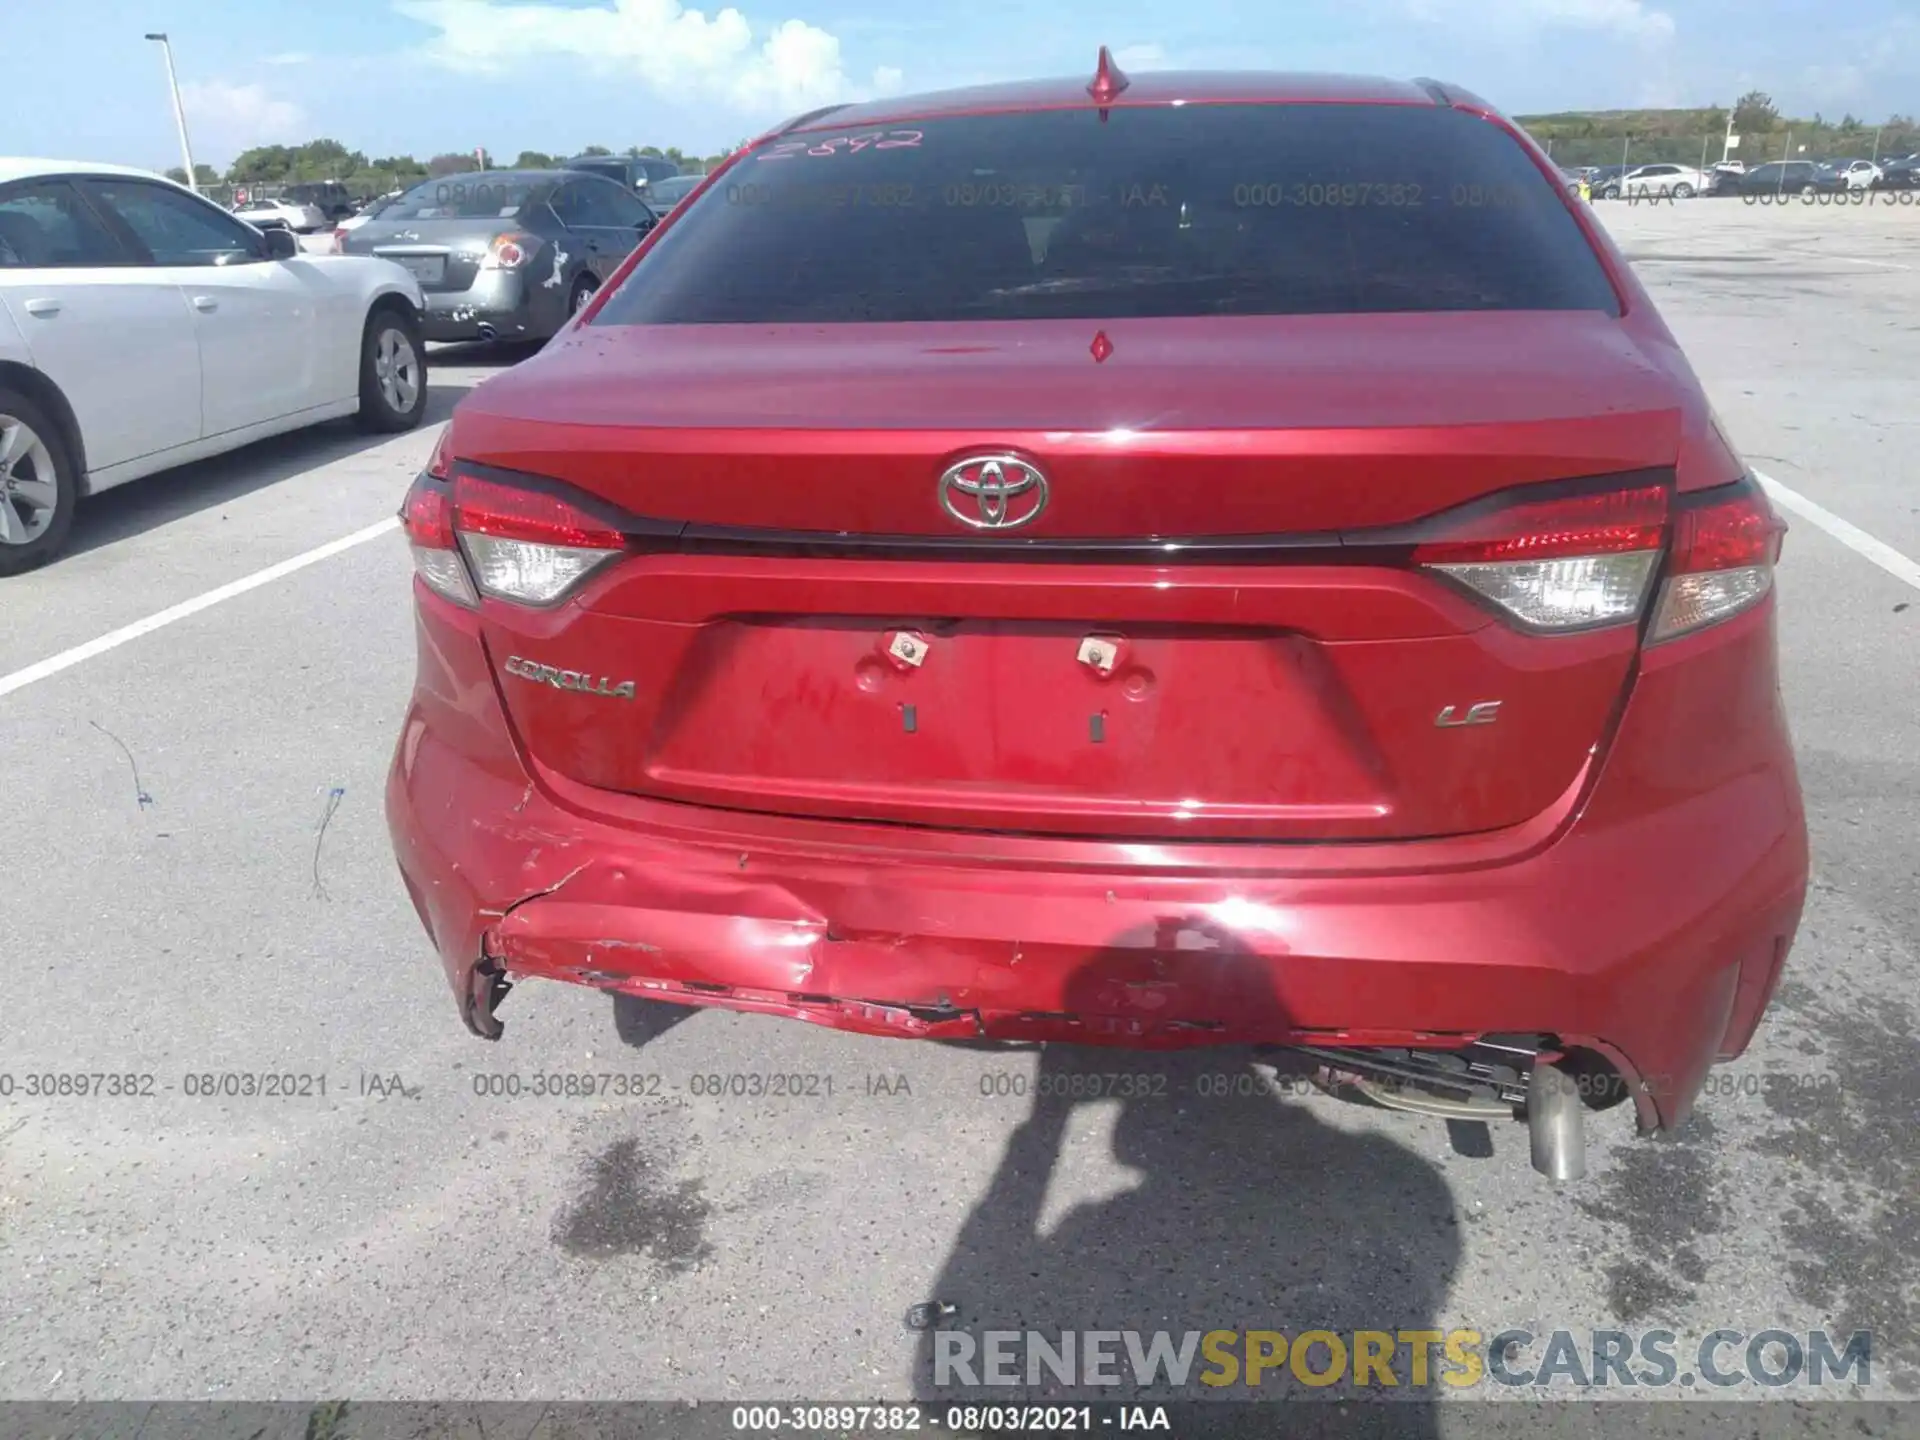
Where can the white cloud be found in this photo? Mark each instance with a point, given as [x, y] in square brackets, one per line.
[789, 66]
[1874, 57]
[224, 118]
[289, 57]
[1628, 19]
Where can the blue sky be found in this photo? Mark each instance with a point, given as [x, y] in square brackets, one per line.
[421, 76]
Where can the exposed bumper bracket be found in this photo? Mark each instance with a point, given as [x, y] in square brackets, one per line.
[486, 987]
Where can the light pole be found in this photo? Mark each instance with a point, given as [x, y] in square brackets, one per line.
[179, 114]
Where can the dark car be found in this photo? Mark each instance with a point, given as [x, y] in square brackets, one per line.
[1605, 180]
[506, 254]
[331, 198]
[1901, 174]
[1093, 591]
[1781, 177]
[637, 172]
[663, 195]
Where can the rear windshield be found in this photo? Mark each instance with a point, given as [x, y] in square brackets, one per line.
[468, 197]
[1287, 209]
[612, 169]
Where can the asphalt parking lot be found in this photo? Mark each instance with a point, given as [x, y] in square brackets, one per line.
[201, 883]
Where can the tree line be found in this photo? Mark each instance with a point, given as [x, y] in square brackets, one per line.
[1642, 137]
[274, 165]
[1592, 137]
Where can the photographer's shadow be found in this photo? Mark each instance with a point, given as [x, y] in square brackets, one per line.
[1249, 1212]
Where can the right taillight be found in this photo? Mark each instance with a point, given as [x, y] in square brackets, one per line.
[1726, 542]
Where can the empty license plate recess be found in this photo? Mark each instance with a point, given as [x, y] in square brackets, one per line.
[1007, 724]
[427, 269]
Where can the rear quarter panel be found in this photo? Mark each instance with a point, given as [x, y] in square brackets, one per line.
[351, 285]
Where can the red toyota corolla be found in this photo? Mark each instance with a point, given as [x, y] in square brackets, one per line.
[1194, 560]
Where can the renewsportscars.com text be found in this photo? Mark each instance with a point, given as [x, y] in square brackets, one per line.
[1413, 1359]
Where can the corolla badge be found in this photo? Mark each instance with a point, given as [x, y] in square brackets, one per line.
[993, 492]
[581, 680]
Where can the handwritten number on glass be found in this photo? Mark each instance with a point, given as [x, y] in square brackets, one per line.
[845, 144]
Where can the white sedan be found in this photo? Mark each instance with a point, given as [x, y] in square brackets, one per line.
[142, 326]
[299, 218]
[1661, 182]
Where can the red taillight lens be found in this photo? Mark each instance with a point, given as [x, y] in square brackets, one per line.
[1555, 564]
[507, 251]
[525, 545]
[427, 517]
[1726, 542]
[481, 537]
[1610, 523]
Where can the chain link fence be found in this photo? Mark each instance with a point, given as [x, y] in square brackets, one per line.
[1706, 151]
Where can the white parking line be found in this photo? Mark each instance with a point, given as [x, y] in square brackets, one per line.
[1847, 533]
[113, 639]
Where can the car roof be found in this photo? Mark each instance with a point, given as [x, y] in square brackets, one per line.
[1155, 87]
[475, 177]
[26, 167]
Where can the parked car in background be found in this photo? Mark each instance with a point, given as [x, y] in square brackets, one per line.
[332, 199]
[1901, 174]
[1603, 180]
[506, 254]
[372, 210]
[663, 195]
[1659, 182]
[142, 326]
[1780, 177]
[1853, 174]
[794, 637]
[637, 172]
[302, 219]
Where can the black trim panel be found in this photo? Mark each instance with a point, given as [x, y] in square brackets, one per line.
[1381, 544]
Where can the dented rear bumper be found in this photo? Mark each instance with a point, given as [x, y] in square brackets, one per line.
[1646, 922]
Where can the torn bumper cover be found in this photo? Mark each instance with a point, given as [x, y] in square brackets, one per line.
[945, 936]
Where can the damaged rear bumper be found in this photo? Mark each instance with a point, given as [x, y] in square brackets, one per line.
[1650, 938]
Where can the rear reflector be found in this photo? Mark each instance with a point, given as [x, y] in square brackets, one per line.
[1568, 563]
[1726, 542]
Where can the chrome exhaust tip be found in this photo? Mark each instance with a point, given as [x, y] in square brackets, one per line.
[1556, 1123]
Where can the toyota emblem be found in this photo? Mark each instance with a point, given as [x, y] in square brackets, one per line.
[993, 492]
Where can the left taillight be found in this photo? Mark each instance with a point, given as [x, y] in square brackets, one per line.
[473, 537]
[525, 545]
[427, 517]
[1563, 563]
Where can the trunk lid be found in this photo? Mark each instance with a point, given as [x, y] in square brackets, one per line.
[443, 255]
[809, 632]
